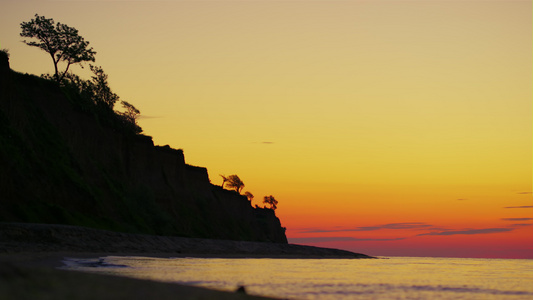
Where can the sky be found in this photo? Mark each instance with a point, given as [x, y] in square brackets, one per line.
[390, 128]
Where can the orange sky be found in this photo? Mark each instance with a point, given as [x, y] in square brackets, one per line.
[385, 127]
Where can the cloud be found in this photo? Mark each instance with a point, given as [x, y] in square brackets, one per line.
[525, 193]
[517, 219]
[413, 225]
[264, 143]
[521, 225]
[337, 239]
[407, 225]
[148, 117]
[528, 206]
[461, 199]
[470, 231]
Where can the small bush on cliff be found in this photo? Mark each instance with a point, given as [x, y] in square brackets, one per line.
[96, 96]
[249, 195]
[4, 54]
[99, 88]
[96, 90]
[129, 117]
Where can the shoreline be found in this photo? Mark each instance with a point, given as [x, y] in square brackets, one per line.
[50, 238]
[30, 255]
[27, 277]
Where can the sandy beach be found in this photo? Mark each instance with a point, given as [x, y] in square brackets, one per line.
[32, 277]
[31, 253]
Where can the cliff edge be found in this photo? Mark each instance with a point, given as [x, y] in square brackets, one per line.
[61, 163]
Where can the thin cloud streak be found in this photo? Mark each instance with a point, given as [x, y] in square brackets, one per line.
[517, 219]
[414, 225]
[407, 225]
[149, 117]
[526, 206]
[470, 231]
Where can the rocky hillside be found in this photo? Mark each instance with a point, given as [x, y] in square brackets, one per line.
[60, 163]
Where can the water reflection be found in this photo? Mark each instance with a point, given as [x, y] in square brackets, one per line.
[394, 278]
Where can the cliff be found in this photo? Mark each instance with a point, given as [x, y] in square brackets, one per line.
[61, 163]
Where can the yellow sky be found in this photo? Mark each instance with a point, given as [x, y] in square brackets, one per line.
[351, 113]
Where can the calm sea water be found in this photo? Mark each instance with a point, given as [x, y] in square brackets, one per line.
[392, 278]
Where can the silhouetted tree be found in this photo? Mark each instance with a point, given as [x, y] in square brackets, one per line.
[97, 89]
[249, 195]
[101, 92]
[224, 179]
[234, 182]
[62, 42]
[270, 200]
[130, 116]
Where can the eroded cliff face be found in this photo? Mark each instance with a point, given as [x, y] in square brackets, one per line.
[61, 164]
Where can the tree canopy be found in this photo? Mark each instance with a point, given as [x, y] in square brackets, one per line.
[270, 200]
[100, 88]
[130, 116]
[249, 195]
[97, 92]
[62, 42]
[234, 182]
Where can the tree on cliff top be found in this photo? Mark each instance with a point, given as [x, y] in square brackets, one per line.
[62, 42]
[234, 182]
[98, 96]
[270, 200]
[97, 89]
[100, 90]
[129, 116]
[249, 195]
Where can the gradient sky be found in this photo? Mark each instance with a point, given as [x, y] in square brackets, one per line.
[382, 127]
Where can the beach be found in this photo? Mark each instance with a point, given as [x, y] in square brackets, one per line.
[22, 277]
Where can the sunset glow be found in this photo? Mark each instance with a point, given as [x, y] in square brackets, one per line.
[381, 127]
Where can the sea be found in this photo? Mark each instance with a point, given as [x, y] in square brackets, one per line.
[383, 278]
